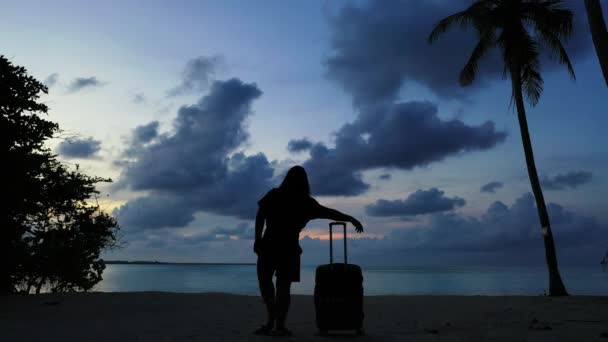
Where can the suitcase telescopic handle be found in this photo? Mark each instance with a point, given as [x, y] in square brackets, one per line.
[331, 242]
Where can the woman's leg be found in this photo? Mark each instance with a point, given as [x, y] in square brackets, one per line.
[283, 299]
[265, 272]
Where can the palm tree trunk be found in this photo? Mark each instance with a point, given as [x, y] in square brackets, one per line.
[597, 26]
[556, 286]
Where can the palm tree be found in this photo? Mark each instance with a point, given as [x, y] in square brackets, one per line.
[518, 28]
[597, 26]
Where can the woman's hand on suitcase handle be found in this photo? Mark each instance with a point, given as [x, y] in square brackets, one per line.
[357, 224]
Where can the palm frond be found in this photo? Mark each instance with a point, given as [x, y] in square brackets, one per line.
[532, 83]
[529, 63]
[468, 73]
[558, 50]
[507, 24]
[463, 18]
[522, 55]
[472, 16]
[548, 16]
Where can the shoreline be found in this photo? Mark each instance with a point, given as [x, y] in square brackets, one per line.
[168, 316]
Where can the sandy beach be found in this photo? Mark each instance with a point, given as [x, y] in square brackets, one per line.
[157, 316]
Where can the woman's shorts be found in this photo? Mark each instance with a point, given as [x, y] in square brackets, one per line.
[286, 266]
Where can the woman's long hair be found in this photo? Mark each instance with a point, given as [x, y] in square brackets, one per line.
[296, 182]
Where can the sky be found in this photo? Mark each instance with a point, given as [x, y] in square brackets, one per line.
[196, 109]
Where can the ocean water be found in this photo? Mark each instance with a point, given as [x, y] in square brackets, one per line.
[242, 279]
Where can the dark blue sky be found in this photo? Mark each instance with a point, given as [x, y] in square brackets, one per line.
[190, 108]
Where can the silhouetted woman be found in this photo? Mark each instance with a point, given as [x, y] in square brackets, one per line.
[285, 210]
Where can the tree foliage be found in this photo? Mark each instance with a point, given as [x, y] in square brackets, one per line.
[520, 29]
[52, 233]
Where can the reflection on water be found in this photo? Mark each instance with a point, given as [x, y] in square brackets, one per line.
[242, 279]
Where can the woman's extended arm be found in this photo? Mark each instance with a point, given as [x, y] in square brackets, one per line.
[332, 214]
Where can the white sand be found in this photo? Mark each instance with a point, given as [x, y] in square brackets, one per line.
[156, 316]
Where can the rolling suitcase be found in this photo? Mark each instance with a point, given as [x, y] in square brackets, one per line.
[338, 293]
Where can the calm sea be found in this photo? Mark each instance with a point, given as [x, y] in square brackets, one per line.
[241, 279]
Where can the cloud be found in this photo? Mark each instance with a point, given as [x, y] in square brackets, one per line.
[197, 75]
[418, 203]
[502, 235]
[385, 176]
[225, 242]
[81, 83]
[139, 98]
[299, 145]
[153, 212]
[145, 133]
[570, 180]
[140, 136]
[195, 155]
[51, 80]
[242, 231]
[197, 167]
[381, 46]
[502, 227]
[176, 240]
[79, 148]
[401, 136]
[491, 187]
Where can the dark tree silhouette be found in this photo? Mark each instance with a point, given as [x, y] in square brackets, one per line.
[51, 234]
[597, 26]
[518, 28]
